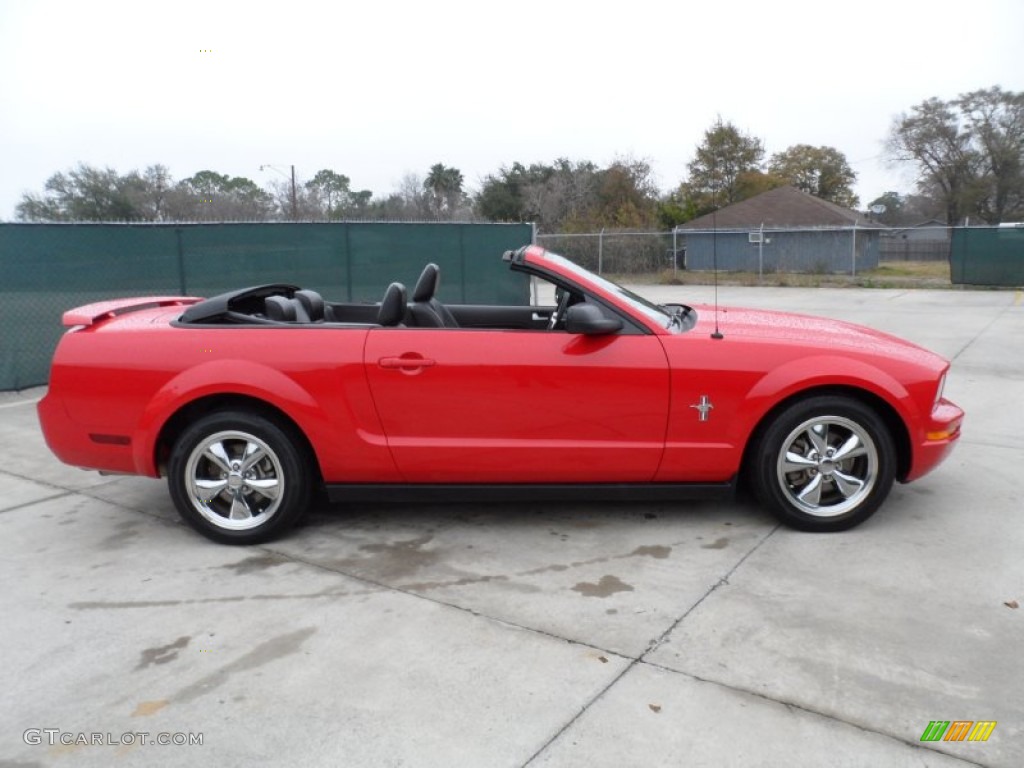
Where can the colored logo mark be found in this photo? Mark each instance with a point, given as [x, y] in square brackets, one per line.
[958, 730]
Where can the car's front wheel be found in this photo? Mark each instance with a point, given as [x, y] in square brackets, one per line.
[238, 478]
[824, 464]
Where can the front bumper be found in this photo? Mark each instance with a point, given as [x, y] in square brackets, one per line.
[935, 442]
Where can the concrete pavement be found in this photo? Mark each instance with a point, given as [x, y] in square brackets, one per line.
[542, 635]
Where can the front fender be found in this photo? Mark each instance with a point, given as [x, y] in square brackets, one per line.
[821, 371]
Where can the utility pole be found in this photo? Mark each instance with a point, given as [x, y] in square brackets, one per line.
[294, 195]
[295, 204]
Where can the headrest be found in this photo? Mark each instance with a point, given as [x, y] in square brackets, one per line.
[426, 286]
[312, 302]
[392, 308]
[279, 308]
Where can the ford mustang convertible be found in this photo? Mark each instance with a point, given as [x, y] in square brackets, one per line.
[252, 401]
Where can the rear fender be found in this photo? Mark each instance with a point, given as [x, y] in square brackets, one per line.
[333, 433]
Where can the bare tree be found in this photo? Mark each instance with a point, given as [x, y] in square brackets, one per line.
[995, 120]
[969, 153]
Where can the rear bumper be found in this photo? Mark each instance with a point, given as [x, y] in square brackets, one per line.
[935, 442]
[75, 445]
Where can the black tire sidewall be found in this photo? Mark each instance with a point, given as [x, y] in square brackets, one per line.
[297, 486]
[765, 456]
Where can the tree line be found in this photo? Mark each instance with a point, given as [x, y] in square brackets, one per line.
[968, 154]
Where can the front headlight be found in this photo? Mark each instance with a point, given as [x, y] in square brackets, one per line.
[941, 387]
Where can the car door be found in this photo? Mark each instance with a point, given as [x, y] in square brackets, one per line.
[519, 406]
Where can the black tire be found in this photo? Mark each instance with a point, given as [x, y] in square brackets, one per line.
[239, 478]
[823, 464]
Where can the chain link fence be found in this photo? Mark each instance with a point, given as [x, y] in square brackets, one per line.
[926, 243]
[614, 252]
[986, 255]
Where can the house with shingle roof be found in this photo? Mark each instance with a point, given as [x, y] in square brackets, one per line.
[782, 230]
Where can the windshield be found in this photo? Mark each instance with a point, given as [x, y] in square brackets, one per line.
[639, 303]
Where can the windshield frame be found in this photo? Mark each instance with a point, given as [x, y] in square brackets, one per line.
[649, 310]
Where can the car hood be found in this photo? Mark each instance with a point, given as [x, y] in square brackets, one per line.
[810, 331]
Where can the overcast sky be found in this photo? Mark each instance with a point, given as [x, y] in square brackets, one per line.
[376, 90]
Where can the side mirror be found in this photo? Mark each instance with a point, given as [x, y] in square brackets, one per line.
[590, 321]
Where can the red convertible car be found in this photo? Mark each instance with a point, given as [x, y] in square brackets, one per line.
[252, 401]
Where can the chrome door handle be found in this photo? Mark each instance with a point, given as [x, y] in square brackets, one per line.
[405, 363]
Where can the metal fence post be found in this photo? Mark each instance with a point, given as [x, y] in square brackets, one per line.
[853, 255]
[675, 251]
[600, 251]
[760, 253]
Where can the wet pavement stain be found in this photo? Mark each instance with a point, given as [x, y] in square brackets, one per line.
[464, 581]
[392, 561]
[721, 543]
[98, 605]
[606, 587]
[163, 654]
[255, 563]
[266, 652]
[119, 540]
[656, 551]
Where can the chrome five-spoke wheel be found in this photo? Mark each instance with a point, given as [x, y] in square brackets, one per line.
[235, 480]
[828, 465]
[824, 463]
[239, 477]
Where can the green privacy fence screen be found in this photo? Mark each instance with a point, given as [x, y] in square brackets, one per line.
[49, 268]
[987, 255]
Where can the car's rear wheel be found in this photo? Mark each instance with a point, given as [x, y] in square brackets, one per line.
[238, 477]
[824, 464]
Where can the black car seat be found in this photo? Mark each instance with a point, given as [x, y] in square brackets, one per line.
[427, 311]
[313, 305]
[392, 308]
[279, 308]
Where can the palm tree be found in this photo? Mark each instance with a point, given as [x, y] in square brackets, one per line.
[445, 185]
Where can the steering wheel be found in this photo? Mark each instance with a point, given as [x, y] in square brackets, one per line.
[562, 297]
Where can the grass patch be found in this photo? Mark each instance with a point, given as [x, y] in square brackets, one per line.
[932, 270]
[896, 274]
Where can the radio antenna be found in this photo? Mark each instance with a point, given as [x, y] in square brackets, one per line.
[714, 245]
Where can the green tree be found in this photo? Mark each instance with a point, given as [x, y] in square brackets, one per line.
[820, 171]
[572, 196]
[675, 208]
[360, 202]
[503, 197]
[719, 164]
[905, 210]
[333, 196]
[626, 196]
[332, 188]
[86, 193]
[211, 196]
[445, 187]
[893, 204]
